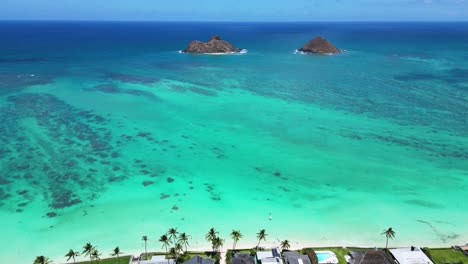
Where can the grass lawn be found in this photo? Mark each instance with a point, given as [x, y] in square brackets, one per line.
[242, 251]
[123, 260]
[446, 255]
[203, 254]
[150, 254]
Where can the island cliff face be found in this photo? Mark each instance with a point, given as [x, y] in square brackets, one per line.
[319, 45]
[214, 45]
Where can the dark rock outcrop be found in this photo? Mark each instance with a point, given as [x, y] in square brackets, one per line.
[214, 45]
[319, 45]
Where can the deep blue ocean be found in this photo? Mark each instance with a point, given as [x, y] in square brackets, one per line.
[59, 48]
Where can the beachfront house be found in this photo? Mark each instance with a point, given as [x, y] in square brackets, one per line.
[410, 255]
[463, 249]
[242, 259]
[368, 257]
[292, 257]
[271, 256]
[160, 259]
[199, 260]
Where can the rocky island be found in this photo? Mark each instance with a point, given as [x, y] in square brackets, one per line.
[215, 45]
[319, 45]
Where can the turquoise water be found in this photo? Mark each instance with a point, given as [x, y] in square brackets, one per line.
[323, 256]
[108, 134]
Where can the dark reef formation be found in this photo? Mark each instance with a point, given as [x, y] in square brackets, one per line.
[214, 45]
[319, 45]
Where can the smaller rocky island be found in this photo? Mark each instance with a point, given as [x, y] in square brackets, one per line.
[319, 45]
[215, 45]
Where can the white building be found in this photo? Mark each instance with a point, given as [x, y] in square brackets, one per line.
[271, 256]
[410, 255]
[157, 260]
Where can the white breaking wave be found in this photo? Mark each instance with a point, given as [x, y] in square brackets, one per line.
[242, 51]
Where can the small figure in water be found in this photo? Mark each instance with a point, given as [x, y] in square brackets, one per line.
[270, 217]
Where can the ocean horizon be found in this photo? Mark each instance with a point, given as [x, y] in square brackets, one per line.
[109, 133]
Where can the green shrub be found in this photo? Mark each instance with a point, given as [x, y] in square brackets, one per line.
[217, 257]
[229, 256]
[311, 254]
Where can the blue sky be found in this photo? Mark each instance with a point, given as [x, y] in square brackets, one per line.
[237, 10]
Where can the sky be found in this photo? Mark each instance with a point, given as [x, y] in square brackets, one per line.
[236, 10]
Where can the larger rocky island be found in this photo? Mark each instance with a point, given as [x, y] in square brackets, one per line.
[319, 45]
[215, 45]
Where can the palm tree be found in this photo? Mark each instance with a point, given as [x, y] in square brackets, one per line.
[165, 240]
[261, 235]
[87, 250]
[116, 252]
[42, 260]
[211, 235]
[72, 254]
[179, 248]
[95, 255]
[173, 234]
[235, 235]
[389, 233]
[172, 253]
[145, 239]
[217, 243]
[183, 239]
[285, 245]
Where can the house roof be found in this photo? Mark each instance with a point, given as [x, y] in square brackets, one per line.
[199, 260]
[271, 260]
[272, 253]
[294, 258]
[275, 252]
[264, 254]
[369, 257]
[242, 259]
[410, 256]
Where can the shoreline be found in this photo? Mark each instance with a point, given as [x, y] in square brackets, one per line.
[242, 246]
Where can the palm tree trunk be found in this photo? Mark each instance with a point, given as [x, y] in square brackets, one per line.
[118, 258]
[146, 252]
[258, 244]
[74, 261]
[386, 245]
